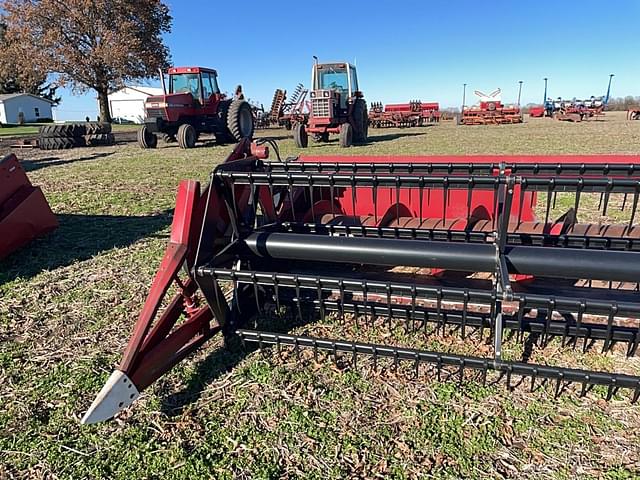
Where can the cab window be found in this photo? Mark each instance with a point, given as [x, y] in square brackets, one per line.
[186, 83]
[334, 80]
[206, 86]
[354, 80]
[209, 85]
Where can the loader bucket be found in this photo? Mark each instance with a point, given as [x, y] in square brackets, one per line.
[24, 211]
[501, 250]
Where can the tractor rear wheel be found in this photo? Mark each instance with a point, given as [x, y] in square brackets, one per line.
[360, 121]
[146, 138]
[300, 135]
[187, 136]
[240, 120]
[346, 135]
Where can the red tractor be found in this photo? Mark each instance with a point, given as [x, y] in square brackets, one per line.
[337, 106]
[194, 105]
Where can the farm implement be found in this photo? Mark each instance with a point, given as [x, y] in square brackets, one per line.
[24, 211]
[574, 110]
[490, 111]
[412, 114]
[287, 111]
[633, 113]
[505, 251]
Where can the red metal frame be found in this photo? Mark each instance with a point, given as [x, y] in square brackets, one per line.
[24, 211]
[155, 347]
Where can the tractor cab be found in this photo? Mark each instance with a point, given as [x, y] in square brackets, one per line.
[201, 83]
[333, 85]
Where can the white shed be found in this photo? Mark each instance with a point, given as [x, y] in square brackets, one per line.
[128, 102]
[24, 108]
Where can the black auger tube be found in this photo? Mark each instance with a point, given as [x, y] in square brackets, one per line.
[539, 261]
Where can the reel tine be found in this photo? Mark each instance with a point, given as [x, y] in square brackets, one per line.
[465, 307]
[332, 185]
[276, 286]
[521, 304]
[607, 196]
[341, 287]
[579, 187]
[548, 201]
[413, 307]
[296, 279]
[254, 280]
[320, 299]
[374, 194]
[607, 342]
[311, 199]
[634, 207]
[291, 200]
[581, 308]
[388, 288]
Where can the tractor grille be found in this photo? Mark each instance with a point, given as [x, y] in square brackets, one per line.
[156, 112]
[320, 107]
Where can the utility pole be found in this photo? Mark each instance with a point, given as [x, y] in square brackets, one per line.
[519, 91]
[606, 99]
[464, 93]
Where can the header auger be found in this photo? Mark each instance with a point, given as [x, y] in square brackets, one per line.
[475, 246]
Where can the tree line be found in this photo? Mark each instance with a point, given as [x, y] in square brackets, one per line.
[97, 45]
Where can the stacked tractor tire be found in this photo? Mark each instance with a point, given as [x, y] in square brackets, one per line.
[71, 135]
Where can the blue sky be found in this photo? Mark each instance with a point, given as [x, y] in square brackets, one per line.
[409, 49]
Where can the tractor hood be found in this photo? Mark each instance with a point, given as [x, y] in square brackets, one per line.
[170, 100]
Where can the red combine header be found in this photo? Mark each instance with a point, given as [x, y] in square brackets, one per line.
[490, 111]
[470, 246]
[412, 114]
[24, 211]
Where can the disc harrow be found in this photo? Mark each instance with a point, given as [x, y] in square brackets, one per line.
[500, 250]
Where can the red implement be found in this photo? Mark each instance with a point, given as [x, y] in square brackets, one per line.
[24, 212]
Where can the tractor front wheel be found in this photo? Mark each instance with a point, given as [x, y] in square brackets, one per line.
[187, 136]
[346, 135]
[168, 138]
[300, 135]
[146, 138]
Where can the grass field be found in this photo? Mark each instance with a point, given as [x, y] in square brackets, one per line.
[68, 303]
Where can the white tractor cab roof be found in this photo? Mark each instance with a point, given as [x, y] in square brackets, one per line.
[335, 76]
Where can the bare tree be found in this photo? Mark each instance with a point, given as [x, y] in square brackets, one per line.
[89, 44]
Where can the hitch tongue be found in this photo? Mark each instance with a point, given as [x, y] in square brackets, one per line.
[117, 394]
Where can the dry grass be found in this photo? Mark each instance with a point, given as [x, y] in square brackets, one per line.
[68, 302]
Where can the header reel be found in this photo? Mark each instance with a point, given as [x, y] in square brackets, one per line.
[493, 248]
